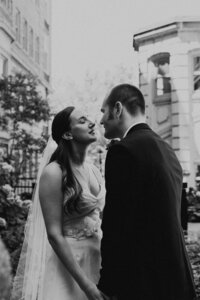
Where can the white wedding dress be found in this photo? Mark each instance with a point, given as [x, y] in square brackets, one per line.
[83, 232]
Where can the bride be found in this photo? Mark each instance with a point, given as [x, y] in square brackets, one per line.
[60, 258]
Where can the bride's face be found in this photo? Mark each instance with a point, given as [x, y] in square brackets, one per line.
[82, 127]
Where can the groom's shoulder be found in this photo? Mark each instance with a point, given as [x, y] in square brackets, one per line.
[117, 148]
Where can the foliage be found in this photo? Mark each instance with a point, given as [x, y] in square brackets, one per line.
[21, 101]
[23, 108]
[193, 248]
[193, 199]
[5, 272]
[13, 214]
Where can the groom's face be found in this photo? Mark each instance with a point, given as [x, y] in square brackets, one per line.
[109, 121]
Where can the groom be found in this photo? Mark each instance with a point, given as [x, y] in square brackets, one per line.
[143, 251]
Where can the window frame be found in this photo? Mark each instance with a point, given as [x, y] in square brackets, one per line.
[166, 97]
[31, 42]
[195, 94]
[25, 35]
[37, 49]
[18, 26]
[4, 65]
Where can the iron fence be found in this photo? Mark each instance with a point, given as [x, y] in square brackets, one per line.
[25, 187]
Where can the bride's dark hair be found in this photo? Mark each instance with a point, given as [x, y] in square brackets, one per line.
[62, 155]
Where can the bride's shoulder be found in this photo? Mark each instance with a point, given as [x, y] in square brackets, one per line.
[50, 181]
[52, 170]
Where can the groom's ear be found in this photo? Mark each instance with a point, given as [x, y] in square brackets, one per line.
[118, 109]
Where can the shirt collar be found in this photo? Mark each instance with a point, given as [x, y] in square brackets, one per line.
[125, 134]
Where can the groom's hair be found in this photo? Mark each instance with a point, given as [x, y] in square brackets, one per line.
[130, 96]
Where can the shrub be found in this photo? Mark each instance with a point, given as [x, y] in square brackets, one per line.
[193, 248]
[13, 215]
[5, 272]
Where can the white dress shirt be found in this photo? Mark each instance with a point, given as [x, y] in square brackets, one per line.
[125, 134]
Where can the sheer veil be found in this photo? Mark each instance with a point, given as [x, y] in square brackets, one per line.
[28, 282]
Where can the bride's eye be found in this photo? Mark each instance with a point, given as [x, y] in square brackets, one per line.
[82, 120]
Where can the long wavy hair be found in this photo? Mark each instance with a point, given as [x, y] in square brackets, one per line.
[71, 188]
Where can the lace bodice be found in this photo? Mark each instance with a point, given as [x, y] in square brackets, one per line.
[87, 222]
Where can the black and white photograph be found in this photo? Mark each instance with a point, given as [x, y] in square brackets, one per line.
[99, 150]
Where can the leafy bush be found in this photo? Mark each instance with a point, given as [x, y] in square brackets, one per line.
[193, 248]
[5, 272]
[13, 214]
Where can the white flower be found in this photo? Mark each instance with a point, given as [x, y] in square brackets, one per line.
[3, 223]
[7, 189]
[17, 198]
[7, 167]
[26, 203]
[18, 201]
[11, 200]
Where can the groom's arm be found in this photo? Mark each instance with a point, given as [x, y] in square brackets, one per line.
[118, 172]
[118, 176]
[115, 241]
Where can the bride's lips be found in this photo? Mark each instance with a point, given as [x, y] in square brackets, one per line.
[92, 132]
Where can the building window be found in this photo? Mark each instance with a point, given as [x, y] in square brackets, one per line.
[31, 51]
[25, 35]
[3, 66]
[18, 26]
[162, 78]
[10, 6]
[37, 50]
[3, 2]
[196, 73]
[45, 52]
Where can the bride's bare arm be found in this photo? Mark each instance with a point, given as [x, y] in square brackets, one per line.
[51, 199]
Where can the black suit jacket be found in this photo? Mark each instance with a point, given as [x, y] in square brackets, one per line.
[143, 250]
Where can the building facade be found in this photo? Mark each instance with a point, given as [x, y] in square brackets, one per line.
[25, 47]
[25, 40]
[169, 77]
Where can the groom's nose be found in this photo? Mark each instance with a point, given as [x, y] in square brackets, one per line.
[101, 121]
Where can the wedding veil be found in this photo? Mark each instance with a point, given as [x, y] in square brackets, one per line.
[28, 282]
